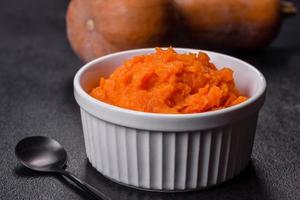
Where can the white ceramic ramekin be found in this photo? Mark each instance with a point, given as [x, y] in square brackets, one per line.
[169, 152]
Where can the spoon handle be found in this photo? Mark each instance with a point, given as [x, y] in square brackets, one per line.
[85, 186]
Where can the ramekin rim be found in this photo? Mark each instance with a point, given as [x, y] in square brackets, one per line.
[251, 100]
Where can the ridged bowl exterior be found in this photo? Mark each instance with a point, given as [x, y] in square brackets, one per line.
[169, 161]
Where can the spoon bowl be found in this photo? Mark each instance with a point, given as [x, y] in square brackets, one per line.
[41, 154]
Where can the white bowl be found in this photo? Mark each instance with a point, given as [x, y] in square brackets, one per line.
[169, 152]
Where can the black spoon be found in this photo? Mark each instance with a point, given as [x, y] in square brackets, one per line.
[44, 154]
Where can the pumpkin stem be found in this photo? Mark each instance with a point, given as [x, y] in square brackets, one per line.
[288, 8]
[90, 25]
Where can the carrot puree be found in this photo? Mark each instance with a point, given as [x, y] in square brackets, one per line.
[168, 82]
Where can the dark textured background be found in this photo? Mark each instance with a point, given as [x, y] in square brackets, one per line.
[36, 71]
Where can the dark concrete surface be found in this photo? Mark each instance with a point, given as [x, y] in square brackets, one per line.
[36, 98]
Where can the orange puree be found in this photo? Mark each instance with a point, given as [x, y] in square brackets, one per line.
[168, 82]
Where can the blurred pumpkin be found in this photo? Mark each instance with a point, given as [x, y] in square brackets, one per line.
[99, 27]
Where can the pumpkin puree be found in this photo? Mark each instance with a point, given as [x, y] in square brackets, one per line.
[168, 82]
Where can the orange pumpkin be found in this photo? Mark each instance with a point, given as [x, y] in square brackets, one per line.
[98, 27]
